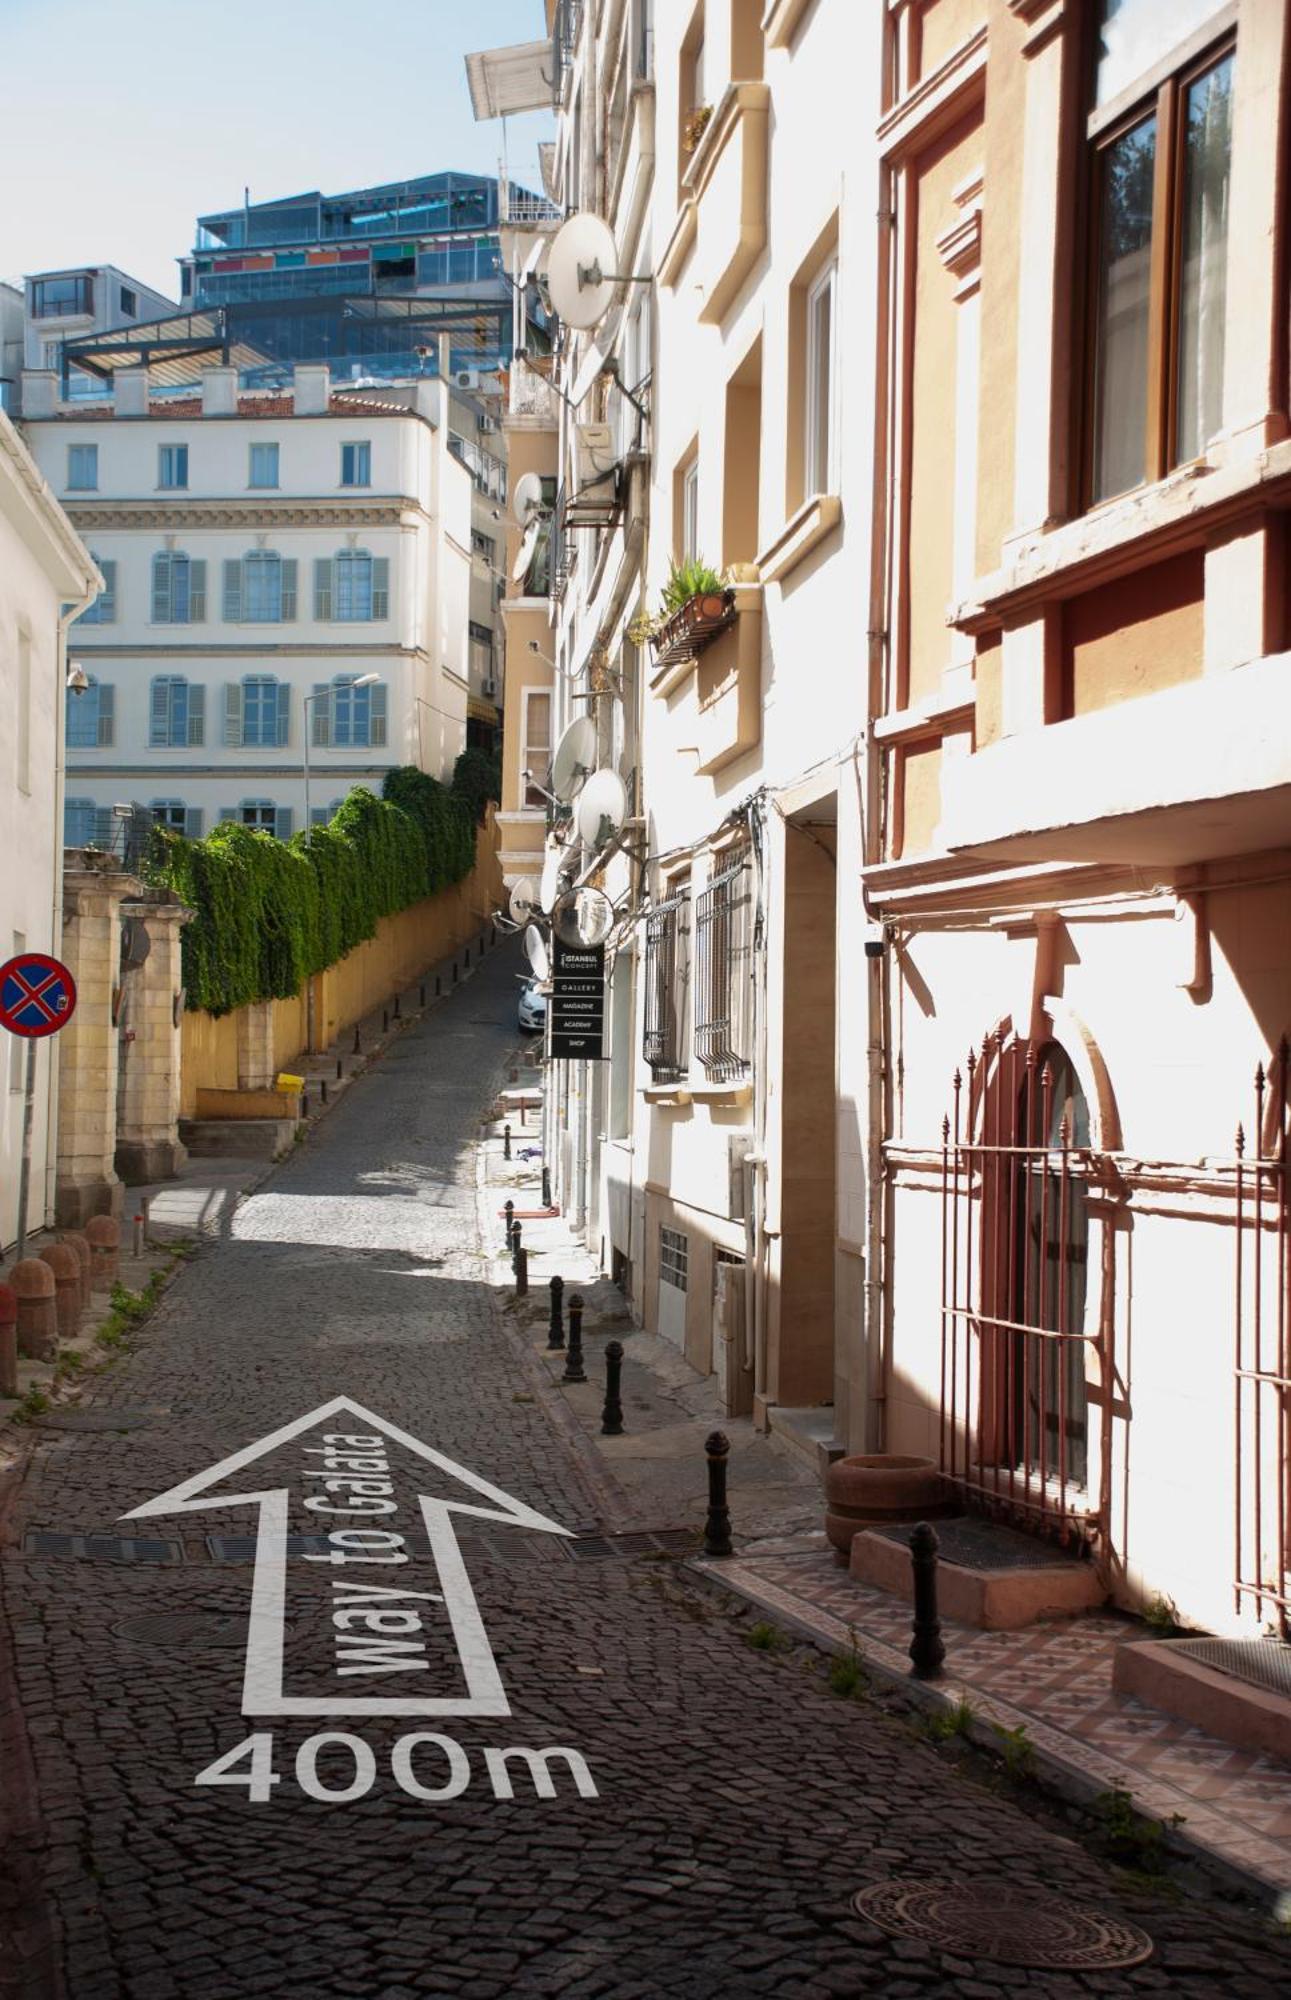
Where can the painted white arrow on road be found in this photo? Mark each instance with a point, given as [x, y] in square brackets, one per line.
[262, 1689]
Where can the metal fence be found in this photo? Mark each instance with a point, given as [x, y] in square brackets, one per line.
[1262, 1310]
[667, 967]
[122, 831]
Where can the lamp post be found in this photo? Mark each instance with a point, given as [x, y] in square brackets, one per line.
[364, 680]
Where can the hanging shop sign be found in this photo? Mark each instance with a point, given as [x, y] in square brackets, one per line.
[576, 1009]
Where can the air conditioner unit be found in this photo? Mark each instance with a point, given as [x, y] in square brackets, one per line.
[466, 378]
[490, 688]
[597, 455]
[488, 423]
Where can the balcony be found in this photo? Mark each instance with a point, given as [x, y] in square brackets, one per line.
[489, 474]
[1188, 774]
[723, 214]
[530, 394]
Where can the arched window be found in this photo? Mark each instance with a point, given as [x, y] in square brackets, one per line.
[260, 589]
[91, 716]
[257, 713]
[352, 587]
[178, 589]
[176, 713]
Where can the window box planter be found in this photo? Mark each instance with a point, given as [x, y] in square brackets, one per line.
[695, 625]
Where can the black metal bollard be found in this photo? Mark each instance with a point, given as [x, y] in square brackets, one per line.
[506, 1142]
[515, 1243]
[508, 1210]
[340, 1070]
[422, 991]
[385, 1021]
[455, 975]
[439, 985]
[926, 1648]
[322, 1085]
[574, 1370]
[398, 1016]
[521, 1271]
[468, 958]
[358, 1046]
[612, 1414]
[556, 1336]
[717, 1528]
[546, 1187]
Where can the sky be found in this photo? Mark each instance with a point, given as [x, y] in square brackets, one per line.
[123, 120]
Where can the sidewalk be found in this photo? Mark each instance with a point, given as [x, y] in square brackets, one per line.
[1050, 1684]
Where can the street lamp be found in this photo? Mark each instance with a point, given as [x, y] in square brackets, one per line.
[364, 680]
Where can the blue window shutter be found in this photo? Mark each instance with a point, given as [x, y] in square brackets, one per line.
[233, 715]
[380, 586]
[233, 591]
[229, 812]
[161, 590]
[192, 822]
[196, 713]
[320, 711]
[282, 822]
[197, 591]
[323, 587]
[159, 715]
[377, 715]
[105, 609]
[289, 589]
[284, 713]
[107, 707]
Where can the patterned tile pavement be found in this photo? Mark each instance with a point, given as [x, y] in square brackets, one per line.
[1057, 1679]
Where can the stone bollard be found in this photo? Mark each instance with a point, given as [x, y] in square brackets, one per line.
[439, 985]
[612, 1413]
[103, 1235]
[455, 974]
[398, 1016]
[521, 1267]
[506, 1142]
[926, 1648]
[8, 1341]
[508, 1210]
[468, 958]
[556, 1334]
[574, 1370]
[34, 1288]
[340, 1070]
[717, 1527]
[66, 1267]
[136, 1242]
[76, 1241]
[421, 990]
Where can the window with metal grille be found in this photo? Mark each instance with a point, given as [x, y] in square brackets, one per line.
[667, 976]
[723, 969]
[674, 1257]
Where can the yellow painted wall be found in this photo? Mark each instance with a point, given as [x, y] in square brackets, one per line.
[1136, 635]
[943, 26]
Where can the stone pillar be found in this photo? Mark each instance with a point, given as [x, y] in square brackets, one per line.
[148, 1146]
[255, 1046]
[87, 1097]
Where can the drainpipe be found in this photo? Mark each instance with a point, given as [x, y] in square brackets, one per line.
[755, 1276]
[66, 618]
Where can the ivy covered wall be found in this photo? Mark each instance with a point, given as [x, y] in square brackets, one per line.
[268, 914]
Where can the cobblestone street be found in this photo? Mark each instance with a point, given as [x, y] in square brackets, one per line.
[740, 1802]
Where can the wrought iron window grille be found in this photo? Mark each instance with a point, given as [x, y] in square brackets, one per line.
[667, 971]
[724, 968]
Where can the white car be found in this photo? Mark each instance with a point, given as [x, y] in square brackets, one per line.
[532, 1013]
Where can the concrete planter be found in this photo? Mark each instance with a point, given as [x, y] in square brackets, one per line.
[867, 1489]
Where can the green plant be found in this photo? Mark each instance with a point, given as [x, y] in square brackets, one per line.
[477, 779]
[693, 578]
[1018, 1750]
[1129, 1836]
[847, 1675]
[764, 1638]
[946, 1723]
[644, 626]
[1160, 1615]
[33, 1404]
[694, 127]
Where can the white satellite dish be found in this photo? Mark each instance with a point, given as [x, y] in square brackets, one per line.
[535, 946]
[582, 253]
[602, 807]
[526, 497]
[549, 887]
[523, 899]
[575, 758]
[525, 553]
[583, 918]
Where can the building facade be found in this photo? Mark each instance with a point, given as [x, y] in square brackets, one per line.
[90, 299]
[286, 604]
[46, 576]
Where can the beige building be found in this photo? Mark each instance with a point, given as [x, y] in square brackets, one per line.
[46, 578]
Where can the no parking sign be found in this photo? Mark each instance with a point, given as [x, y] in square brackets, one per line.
[37, 995]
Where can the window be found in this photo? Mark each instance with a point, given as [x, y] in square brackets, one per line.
[352, 587]
[262, 815]
[483, 545]
[667, 975]
[172, 466]
[347, 717]
[178, 590]
[82, 468]
[257, 712]
[674, 1258]
[356, 464]
[176, 817]
[80, 818]
[129, 302]
[322, 815]
[90, 717]
[260, 589]
[1159, 283]
[820, 445]
[103, 611]
[690, 511]
[55, 298]
[176, 713]
[535, 748]
[264, 465]
[723, 968]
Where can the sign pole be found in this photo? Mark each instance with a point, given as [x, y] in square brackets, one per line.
[24, 1176]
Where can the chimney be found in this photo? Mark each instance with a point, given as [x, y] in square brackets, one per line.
[219, 392]
[313, 388]
[130, 392]
[39, 392]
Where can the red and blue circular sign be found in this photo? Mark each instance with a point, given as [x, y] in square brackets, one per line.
[37, 995]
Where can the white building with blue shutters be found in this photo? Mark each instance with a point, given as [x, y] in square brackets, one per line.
[287, 602]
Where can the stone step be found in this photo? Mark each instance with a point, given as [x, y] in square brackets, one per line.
[238, 1138]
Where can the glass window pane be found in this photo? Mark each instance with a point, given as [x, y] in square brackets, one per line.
[1207, 147]
[819, 454]
[1126, 174]
[1135, 34]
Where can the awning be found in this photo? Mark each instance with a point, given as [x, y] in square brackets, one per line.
[503, 81]
[480, 710]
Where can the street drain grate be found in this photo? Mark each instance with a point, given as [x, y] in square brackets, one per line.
[1262, 1663]
[242, 1548]
[182, 1628]
[656, 1541]
[984, 1545]
[1009, 1926]
[100, 1548]
[102, 1419]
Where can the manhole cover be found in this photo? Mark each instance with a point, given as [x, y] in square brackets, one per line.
[995, 1920]
[182, 1628]
[100, 1419]
[984, 1545]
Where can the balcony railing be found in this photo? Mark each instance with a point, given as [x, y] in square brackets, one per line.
[125, 835]
[531, 394]
[488, 473]
[524, 210]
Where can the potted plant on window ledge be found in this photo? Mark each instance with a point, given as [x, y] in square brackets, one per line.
[694, 126]
[697, 605]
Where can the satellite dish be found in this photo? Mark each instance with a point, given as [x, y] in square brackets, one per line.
[525, 553]
[582, 253]
[535, 946]
[602, 807]
[583, 918]
[523, 900]
[575, 758]
[526, 497]
[549, 888]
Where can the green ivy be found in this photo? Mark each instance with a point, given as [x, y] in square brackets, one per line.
[268, 914]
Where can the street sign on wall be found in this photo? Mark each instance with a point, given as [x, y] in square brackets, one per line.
[576, 1008]
[37, 995]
